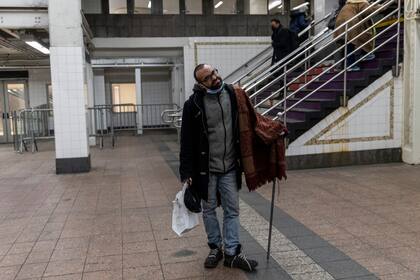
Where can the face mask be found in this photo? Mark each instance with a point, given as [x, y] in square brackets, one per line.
[216, 90]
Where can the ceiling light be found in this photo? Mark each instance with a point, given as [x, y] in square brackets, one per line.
[149, 5]
[38, 47]
[274, 4]
[300, 6]
[218, 4]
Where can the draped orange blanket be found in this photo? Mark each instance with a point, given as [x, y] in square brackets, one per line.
[262, 144]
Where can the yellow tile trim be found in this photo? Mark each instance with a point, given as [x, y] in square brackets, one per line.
[388, 22]
[316, 141]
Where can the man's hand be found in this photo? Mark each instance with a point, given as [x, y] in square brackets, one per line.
[188, 181]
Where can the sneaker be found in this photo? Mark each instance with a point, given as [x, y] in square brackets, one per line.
[353, 69]
[369, 57]
[214, 257]
[240, 261]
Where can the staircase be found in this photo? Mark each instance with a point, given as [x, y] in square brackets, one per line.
[313, 92]
[329, 96]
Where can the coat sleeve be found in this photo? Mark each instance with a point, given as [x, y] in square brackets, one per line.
[186, 152]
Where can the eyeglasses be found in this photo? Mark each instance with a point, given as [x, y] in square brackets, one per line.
[209, 77]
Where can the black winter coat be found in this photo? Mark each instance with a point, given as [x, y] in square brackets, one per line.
[194, 154]
[284, 42]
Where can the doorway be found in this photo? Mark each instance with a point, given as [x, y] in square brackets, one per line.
[12, 98]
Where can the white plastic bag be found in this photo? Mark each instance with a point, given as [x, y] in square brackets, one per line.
[183, 220]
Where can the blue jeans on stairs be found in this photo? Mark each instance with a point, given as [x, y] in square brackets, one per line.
[351, 58]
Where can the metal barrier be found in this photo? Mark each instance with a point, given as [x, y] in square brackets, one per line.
[30, 125]
[107, 120]
[101, 123]
[151, 115]
[174, 118]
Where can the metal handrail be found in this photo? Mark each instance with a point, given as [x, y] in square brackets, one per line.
[342, 72]
[171, 113]
[248, 62]
[274, 68]
[313, 24]
[311, 68]
[268, 57]
[310, 45]
[335, 76]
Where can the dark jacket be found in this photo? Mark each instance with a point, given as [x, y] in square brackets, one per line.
[194, 154]
[298, 22]
[284, 42]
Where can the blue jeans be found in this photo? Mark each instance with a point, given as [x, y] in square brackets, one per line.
[227, 187]
[351, 58]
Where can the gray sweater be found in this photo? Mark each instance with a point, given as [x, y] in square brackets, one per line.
[220, 132]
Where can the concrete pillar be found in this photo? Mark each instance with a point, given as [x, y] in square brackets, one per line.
[207, 7]
[67, 60]
[90, 101]
[411, 99]
[139, 101]
[157, 7]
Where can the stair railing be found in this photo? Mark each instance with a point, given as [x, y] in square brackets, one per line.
[289, 67]
[257, 67]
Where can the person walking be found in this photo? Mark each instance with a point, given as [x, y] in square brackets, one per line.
[210, 161]
[283, 41]
[354, 35]
[298, 23]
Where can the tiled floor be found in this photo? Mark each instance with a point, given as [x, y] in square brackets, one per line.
[115, 222]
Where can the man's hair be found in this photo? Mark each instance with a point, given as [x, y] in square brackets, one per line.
[275, 20]
[198, 68]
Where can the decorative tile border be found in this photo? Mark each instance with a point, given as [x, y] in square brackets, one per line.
[316, 141]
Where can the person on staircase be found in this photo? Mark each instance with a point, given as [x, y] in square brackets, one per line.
[350, 10]
[282, 40]
[298, 23]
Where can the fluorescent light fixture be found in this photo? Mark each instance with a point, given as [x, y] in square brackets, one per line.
[149, 5]
[38, 47]
[300, 6]
[274, 4]
[218, 4]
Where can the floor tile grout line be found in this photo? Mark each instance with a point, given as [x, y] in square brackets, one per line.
[14, 242]
[276, 234]
[39, 237]
[313, 233]
[68, 214]
[91, 235]
[153, 233]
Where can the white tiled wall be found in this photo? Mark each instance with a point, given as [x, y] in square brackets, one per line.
[366, 128]
[37, 86]
[67, 68]
[224, 53]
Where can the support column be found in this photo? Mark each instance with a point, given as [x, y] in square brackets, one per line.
[411, 122]
[207, 7]
[90, 102]
[67, 59]
[157, 7]
[139, 101]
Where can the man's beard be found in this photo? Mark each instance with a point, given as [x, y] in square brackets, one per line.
[216, 87]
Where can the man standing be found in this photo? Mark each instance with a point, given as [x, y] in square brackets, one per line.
[283, 41]
[210, 163]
